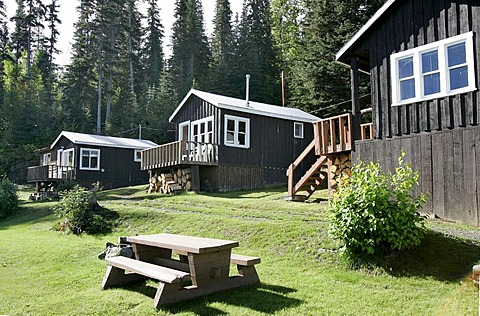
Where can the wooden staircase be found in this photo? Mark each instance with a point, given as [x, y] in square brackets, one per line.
[312, 179]
[332, 138]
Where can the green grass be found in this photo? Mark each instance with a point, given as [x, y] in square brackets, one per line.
[44, 272]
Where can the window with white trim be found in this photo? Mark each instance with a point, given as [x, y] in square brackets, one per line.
[137, 155]
[298, 130]
[46, 159]
[89, 159]
[434, 70]
[237, 131]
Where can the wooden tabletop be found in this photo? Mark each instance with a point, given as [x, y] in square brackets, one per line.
[184, 243]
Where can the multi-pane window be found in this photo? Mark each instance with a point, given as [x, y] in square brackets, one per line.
[435, 70]
[202, 130]
[298, 130]
[237, 131]
[90, 159]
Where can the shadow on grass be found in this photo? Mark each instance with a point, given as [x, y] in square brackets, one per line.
[245, 194]
[440, 257]
[30, 215]
[264, 298]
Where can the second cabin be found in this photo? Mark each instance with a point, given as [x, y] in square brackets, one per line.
[227, 144]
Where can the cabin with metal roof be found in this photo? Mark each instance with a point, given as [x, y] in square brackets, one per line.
[423, 58]
[89, 159]
[228, 144]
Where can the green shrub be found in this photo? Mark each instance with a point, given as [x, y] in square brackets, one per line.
[80, 212]
[374, 214]
[8, 197]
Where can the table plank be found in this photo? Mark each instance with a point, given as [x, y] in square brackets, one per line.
[185, 243]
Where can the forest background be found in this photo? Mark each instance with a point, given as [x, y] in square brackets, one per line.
[119, 77]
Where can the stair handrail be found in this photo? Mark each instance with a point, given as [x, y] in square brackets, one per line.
[293, 166]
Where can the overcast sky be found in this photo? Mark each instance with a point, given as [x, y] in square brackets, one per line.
[68, 16]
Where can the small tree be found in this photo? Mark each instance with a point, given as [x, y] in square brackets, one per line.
[374, 214]
[80, 212]
[8, 197]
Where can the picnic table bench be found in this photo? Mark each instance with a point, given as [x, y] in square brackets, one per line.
[203, 262]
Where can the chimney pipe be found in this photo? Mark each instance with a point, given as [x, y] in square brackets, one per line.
[247, 89]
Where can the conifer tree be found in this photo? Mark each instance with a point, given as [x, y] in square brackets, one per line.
[190, 54]
[153, 57]
[80, 80]
[318, 82]
[256, 52]
[223, 50]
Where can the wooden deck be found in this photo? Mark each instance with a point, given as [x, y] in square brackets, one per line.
[51, 173]
[180, 153]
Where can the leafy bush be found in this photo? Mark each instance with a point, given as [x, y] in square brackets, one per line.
[8, 197]
[80, 212]
[374, 214]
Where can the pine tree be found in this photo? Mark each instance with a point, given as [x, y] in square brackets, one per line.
[80, 80]
[318, 82]
[223, 50]
[153, 57]
[190, 55]
[256, 52]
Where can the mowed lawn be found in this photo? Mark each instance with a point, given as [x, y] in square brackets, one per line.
[44, 272]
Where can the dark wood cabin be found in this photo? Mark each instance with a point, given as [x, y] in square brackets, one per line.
[228, 144]
[88, 159]
[422, 57]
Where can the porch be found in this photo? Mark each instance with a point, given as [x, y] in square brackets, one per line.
[180, 153]
[51, 173]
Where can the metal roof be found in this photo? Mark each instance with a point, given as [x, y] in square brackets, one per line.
[105, 141]
[253, 107]
[341, 53]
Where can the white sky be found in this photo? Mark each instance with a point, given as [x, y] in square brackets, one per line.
[68, 16]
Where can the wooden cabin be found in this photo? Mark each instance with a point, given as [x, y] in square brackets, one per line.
[226, 144]
[422, 57]
[87, 159]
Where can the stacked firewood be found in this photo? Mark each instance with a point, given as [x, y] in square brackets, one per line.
[168, 183]
[340, 170]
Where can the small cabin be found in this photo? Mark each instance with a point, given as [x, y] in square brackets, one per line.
[423, 57]
[226, 144]
[88, 159]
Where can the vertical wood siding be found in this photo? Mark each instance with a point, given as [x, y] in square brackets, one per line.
[411, 24]
[448, 166]
[272, 149]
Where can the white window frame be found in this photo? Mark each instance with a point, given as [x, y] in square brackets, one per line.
[237, 119]
[207, 134]
[46, 159]
[65, 153]
[135, 155]
[300, 134]
[416, 54]
[81, 159]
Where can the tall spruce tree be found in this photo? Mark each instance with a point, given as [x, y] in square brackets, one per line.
[80, 79]
[223, 49]
[256, 52]
[190, 51]
[318, 83]
[153, 56]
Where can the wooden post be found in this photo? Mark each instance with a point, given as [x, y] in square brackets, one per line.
[355, 84]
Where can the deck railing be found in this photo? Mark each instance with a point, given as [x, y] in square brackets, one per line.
[178, 153]
[51, 172]
[332, 135]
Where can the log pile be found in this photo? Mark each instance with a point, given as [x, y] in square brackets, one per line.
[340, 170]
[173, 182]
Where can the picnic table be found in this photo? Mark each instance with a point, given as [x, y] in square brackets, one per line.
[185, 266]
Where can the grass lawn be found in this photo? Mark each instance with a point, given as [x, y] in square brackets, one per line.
[44, 272]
